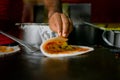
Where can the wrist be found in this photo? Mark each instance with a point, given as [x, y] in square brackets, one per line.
[53, 12]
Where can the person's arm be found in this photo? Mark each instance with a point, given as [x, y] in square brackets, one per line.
[58, 21]
[53, 6]
[27, 11]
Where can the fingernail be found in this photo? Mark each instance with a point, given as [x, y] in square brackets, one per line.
[59, 33]
[64, 35]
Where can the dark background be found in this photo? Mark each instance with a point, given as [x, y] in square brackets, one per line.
[105, 11]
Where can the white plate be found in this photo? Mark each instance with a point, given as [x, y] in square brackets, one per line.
[65, 55]
[16, 49]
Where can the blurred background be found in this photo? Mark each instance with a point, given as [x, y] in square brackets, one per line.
[101, 11]
[75, 11]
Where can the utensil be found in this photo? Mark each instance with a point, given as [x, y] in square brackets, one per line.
[23, 43]
[113, 38]
[110, 35]
[84, 33]
[91, 24]
[36, 33]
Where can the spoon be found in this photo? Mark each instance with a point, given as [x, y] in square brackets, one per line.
[23, 43]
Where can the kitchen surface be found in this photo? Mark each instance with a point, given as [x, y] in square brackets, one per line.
[96, 65]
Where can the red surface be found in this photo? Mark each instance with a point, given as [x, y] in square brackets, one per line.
[10, 13]
[10, 10]
[5, 40]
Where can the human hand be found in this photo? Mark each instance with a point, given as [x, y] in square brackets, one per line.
[60, 24]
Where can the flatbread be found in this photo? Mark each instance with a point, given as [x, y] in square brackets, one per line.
[58, 47]
[6, 49]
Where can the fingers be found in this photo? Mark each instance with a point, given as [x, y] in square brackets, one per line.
[55, 23]
[61, 24]
[65, 25]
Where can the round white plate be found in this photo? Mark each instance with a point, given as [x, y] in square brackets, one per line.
[65, 55]
[16, 49]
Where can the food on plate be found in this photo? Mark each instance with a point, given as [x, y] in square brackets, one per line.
[58, 46]
[6, 49]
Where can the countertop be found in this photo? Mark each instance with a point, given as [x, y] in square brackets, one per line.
[100, 64]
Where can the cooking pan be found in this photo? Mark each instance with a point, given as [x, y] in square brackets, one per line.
[84, 34]
[36, 33]
[112, 38]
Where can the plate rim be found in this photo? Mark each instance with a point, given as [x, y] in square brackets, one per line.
[65, 55]
[16, 49]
